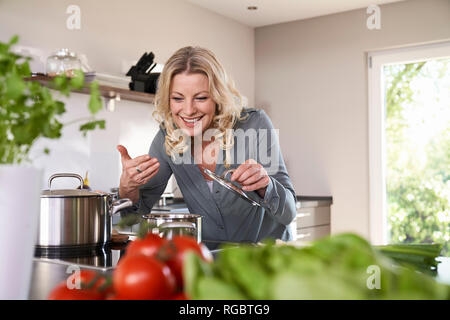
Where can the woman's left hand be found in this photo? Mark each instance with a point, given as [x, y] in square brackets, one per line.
[252, 176]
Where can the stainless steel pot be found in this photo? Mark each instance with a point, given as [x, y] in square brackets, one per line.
[72, 218]
[169, 224]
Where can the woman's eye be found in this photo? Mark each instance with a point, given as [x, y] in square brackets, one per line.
[177, 99]
[202, 98]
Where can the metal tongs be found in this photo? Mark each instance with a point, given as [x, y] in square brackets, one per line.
[223, 181]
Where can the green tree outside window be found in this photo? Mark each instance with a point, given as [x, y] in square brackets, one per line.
[418, 152]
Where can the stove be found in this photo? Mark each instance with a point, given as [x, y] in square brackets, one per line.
[103, 258]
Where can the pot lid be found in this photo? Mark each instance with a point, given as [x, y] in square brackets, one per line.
[70, 193]
[230, 186]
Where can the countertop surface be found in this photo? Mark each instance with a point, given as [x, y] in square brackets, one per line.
[47, 273]
[313, 201]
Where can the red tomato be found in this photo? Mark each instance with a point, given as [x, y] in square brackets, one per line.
[176, 250]
[114, 297]
[61, 292]
[148, 246]
[101, 285]
[89, 290]
[138, 277]
[179, 296]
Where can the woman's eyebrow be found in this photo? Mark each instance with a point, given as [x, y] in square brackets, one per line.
[201, 92]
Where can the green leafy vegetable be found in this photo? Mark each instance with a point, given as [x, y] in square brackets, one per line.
[343, 266]
[419, 256]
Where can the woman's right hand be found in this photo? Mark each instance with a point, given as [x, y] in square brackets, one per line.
[135, 172]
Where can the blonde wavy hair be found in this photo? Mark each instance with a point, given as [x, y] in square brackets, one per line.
[229, 103]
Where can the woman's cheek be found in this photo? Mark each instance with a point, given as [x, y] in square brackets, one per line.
[174, 111]
[206, 122]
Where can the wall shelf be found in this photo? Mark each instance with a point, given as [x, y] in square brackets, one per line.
[106, 91]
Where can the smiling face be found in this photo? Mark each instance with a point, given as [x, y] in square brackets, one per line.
[191, 103]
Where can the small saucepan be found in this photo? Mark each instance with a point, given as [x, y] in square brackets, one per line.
[169, 224]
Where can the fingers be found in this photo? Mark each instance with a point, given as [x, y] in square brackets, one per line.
[146, 179]
[127, 161]
[143, 177]
[138, 161]
[146, 164]
[251, 175]
[241, 169]
[146, 168]
[259, 185]
[132, 178]
[257, 179]
[123, 152]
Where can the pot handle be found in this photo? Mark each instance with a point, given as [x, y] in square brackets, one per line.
[66, 175]
[120, 204]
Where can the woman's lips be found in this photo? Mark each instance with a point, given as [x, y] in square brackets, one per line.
[191, 121]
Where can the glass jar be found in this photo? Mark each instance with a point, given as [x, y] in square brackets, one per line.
[63, 62]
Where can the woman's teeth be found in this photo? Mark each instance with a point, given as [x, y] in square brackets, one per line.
[193, 120]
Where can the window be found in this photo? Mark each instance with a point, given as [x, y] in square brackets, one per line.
[409, 143]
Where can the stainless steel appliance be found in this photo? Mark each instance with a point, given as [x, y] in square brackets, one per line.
[169, 224]
[72, 219]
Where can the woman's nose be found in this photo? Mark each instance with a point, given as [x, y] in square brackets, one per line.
[189, 108]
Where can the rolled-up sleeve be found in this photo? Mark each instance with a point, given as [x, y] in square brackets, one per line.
[280, 194]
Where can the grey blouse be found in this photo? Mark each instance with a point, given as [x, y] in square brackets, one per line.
[225, 216]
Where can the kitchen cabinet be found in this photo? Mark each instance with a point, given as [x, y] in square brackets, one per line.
[313, 218]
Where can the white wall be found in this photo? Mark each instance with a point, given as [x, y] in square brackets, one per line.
[311, 77]
[113, 31]
[131, 125]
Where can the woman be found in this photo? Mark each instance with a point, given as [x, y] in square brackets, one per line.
[202, 123]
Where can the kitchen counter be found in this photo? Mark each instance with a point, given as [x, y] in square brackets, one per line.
[313, 201]
[47, 273]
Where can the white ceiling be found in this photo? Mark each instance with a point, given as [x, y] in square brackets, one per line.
[278, 11]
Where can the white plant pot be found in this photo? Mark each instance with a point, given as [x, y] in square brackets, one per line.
[20, 190]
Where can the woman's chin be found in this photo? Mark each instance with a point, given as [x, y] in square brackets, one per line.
[192, 131]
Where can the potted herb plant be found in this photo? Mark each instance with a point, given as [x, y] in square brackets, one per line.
[28, 111]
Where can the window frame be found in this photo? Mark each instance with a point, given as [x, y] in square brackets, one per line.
[378, 231]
